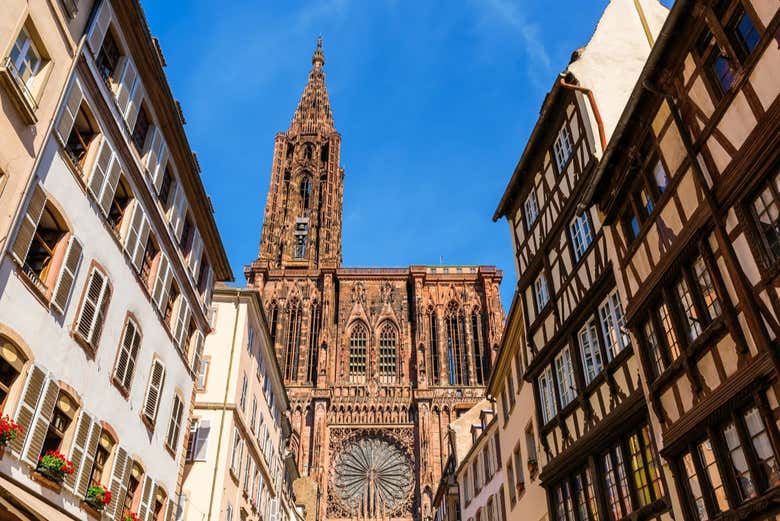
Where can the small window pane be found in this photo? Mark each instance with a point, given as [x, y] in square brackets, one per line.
[697, 496]
[707, 289]
[766, 208]
[739, 463]
[692, 318]
[762, 446]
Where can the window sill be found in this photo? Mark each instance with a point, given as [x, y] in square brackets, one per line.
[20, 95]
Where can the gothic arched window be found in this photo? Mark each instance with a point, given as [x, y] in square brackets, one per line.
[305, 191]
[481, 353]
[433, 347]
[358, 344]
[308, 151]
[315, 324]
[292, 339]
[273, 316]
[456, 346]
[388, 355]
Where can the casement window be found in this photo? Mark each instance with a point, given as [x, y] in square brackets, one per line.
[613, 325]
[43, 241]
[107, 60]
[202, 373]
[547, 394]
[565, 377]
[58, 427]
[178, 211]
[119, 206]
[387, 354]
[742, 444]
[590, 351]
[721, 58]
[505, 403]
[197, 445]
[236, 452]
[153, 392]
[182, 324]
[76, 128]
[510, 390]
[530, 442]
[174, 424]
[141, 130]
[531, 207]
[358, 341]
[136, 237]
[765, 208]
[581, 236]
[90, 447]
[652, 181]
[577, 493]
[128, 352]
[25, 63]
[562, 147]
[167, 190]
[12, 362]
[105, 447]
[253, 417]
[242, 399]
[564, 507]
[541, 292]
[133, 489]
[94, 304]
[518, 464]
[151, 255]
[156, 158]
[510, 479]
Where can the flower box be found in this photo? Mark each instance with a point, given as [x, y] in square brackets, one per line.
[130, 516]
[45, 482]
[54, 466]
[90, 509]
[98, 497]
[9, 430]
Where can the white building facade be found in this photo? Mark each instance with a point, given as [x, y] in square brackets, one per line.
[105, 285]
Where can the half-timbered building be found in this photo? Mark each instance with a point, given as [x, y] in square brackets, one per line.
[689, 188]
[598, 457]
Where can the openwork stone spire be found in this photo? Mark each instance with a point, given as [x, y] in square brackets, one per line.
[313, 113]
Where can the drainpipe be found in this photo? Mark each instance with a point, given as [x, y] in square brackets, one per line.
[594, 106]
[643, 21]
[224, 407]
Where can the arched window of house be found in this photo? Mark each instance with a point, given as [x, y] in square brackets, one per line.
[11, 364]
[292, 339]
[480, 348]
[433, 347]
[388, 355]
[358, 346]
[456, 345]
[65, 408]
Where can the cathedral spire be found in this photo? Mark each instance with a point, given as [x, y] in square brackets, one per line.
[313, 113]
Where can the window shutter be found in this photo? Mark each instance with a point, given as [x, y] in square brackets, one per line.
[78, 448]
[182, 321]
[40, 424]
[127, 86]
[89, 460]
[69, 111]
[146, 496]
[27, 405]
[100, 170]
[202, 440]
[179, 213]
[28, 225]
[90, 321]
[67, 275]
[159, 171]
[174, 425]
[125, 364]
[137, 236]
[209, 289]
[197, 351]
[152, 157]
[99, 28]
[171, 512]
[118, 485]
[135, 104]
[195, 254]
[152, 401]
[162, 284]
[109, 188]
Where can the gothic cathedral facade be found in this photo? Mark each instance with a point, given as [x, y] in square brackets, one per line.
[377, 361]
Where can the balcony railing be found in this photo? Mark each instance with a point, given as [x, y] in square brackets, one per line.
[19, 92]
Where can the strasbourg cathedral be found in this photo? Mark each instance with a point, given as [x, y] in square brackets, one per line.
[377, 361]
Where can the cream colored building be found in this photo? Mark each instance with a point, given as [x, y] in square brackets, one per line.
[107, 274]
[516, 425]
[238, 430]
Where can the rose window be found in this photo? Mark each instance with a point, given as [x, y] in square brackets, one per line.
[372, 478]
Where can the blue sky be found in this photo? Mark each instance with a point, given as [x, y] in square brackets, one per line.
[434, 101]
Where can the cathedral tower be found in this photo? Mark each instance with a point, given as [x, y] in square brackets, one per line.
[302, 224]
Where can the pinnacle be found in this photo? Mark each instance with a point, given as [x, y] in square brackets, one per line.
[313, 113]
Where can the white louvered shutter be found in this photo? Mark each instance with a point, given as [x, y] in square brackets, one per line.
[78, 448]
[146, 497]
[90, 321]
[109, 187]
[179, 213]
[25, 412]
[128, 350]
[162, 284]
[99, 27]
[134, 105]
[120, 474]
[153, 392]
[170, 514]
[28, 225]
[200, 453]
[153, 155]
[174, 425]
[137, 235]
[89, 460]
[40, 423]
[100, 170]
[182, 323]
[197, 351]
[159, 172]
[67, 275]
[69, 111]
[195, 254]
[209, 289]
[127, 86]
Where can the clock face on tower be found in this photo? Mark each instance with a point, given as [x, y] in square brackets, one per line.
[372, 478]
